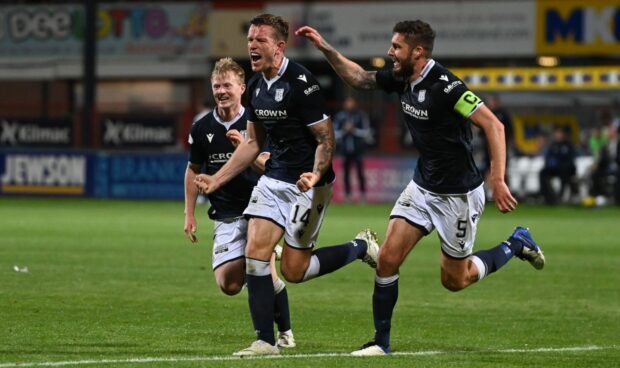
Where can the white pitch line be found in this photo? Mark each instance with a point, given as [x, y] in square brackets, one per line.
[296, 356]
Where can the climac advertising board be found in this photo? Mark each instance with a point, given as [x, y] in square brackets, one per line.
[36, 133]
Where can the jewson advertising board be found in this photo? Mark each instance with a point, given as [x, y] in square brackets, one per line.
[44, 173]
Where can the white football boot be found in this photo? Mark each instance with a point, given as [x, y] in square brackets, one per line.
[371, 349]
[372, 253]
[258, 347]
[286, 339]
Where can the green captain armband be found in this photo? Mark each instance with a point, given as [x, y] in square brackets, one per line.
[467, 103]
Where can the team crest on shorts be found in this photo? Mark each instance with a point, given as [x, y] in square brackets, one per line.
[279, 94]
[422, 95]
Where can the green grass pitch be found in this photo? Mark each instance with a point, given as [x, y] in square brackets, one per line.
[116, 283]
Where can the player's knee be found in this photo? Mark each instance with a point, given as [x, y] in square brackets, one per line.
[389, 261]
[454, 284]
[291, 275]
[230, 287]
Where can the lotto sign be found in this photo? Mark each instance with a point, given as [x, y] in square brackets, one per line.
[139, 29]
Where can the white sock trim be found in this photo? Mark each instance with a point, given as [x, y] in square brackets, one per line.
[278, 286]
[313, 268]
[255, 267]
[384, 281]
[482, 268]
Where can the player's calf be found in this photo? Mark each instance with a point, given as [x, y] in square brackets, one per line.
[457, 274]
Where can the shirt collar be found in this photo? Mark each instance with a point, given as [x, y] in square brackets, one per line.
[427, 68]
[278, 75]
[227, 124]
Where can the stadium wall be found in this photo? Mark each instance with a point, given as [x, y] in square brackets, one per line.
[151, 175]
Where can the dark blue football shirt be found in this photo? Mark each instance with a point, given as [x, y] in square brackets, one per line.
[210, 147]
[286, 106]
[436, 107]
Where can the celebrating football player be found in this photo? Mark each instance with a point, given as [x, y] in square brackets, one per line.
[287, 109]
[446, 192]
[212, 141]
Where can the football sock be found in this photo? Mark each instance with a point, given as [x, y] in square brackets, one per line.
[261, 298]
[282, 315]
[329, 259]
[383, 301]
[491, 260]
[515, 245]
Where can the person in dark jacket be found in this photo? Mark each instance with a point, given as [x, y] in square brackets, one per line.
[560, 163]
[352, 129]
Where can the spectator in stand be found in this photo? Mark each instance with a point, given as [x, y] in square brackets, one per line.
[604, 147]
[559, 162]
[352, 129]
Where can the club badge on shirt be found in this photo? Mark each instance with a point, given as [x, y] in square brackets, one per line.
[279, 94]
[422, 95]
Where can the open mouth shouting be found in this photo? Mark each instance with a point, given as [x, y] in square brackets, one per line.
[255, 58]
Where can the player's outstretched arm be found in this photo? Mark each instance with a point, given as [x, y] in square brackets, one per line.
[236, 138]
[324, 135]
[352, 73]
[494, 132]
[191, 193]
[243, 157]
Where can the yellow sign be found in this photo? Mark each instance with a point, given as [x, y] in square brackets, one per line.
[577, 27]
[530, 131]
[43, 189]
[559, 78]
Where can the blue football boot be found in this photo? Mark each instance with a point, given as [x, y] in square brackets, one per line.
[531, 252]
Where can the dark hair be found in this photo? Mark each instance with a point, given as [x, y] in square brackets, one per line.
[274, 21]
[416, 33]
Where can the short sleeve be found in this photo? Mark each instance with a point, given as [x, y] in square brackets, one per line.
[251, 91]
[196, 153]
[458, 97]
[311, 102]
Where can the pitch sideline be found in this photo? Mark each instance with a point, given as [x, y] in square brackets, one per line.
[296, 356]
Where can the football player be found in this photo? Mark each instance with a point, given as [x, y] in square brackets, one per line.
[287, 109]
[446, 193]
[212, 140]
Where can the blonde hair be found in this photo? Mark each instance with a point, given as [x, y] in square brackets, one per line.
[225, 65]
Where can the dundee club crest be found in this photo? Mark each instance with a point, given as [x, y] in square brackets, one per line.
[422, 95]
[279, 94]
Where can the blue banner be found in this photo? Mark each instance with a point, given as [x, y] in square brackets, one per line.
[135, 175]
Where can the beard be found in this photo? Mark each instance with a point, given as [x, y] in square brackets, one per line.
[406, 69]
